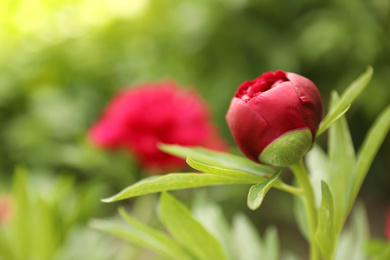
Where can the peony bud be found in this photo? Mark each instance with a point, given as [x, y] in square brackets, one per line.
[274, 118]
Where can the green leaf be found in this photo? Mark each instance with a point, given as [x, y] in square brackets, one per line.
[223, 171]
[271, 244]
[156, 236]
[385, 255]
[348, 96]
[5, 247]
[317, 164]
[325, 236]
[278, 184]
[142, 235]
[188, 231]
[366, 154]
[342, 160]
[354, 238]
[257, 192]
[247, 241]
[218, 159]
[211, 216]
[173, 181]
[377, 247]
[22, 232]
[300, 216]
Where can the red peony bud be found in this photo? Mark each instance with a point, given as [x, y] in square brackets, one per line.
[140, 118]
[274, 118]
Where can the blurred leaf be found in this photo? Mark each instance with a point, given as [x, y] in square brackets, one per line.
[173, 249]
[211, 216]
[325, 236]
[347, 98]
[247, 241]
[5, 248]
[317, 164]
[187, 231]
[257, 192]
[271, 244]
[353, 239]
[142, 235]
[341, 163]
[223, 171]
[218, 159]
[88, 243]
[377, 247]
[20, 222]
[173, 181]
[300, 216]
[366, 154]
[385, 255]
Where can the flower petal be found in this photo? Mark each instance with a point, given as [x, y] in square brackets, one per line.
[280, 108]
[251, 133]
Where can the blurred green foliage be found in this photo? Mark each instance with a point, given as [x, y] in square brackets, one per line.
[48, 221]
[61, 61]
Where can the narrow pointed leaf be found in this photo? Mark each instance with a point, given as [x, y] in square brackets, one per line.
[156, 236]
[321, 130]
[247, 241]
[211, 216]
[218, 159]
[317, 163]
[354, 237]
[257, 192]
[223, 171]
[142, 235]
[342, 159]
[278, 184]
[173, 181]
[271, 244]
[187, 231]
[366, 154]
[325, 236]
[300, 216]
[347, 98]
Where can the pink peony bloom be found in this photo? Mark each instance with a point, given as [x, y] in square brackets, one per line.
[139, 119]
[273, 113]
[5, 209]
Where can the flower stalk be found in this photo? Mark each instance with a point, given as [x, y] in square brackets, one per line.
[302, 177]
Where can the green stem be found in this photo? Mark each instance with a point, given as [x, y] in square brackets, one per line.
[288, 188]
[302, 177]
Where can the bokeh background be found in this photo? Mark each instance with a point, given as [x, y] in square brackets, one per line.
[62, 61]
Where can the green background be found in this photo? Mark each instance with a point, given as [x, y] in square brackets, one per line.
[61, 61]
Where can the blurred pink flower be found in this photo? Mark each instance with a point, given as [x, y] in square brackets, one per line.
[5, 208]
[138, 119]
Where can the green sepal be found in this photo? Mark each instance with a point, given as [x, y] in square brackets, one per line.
[288, 149]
